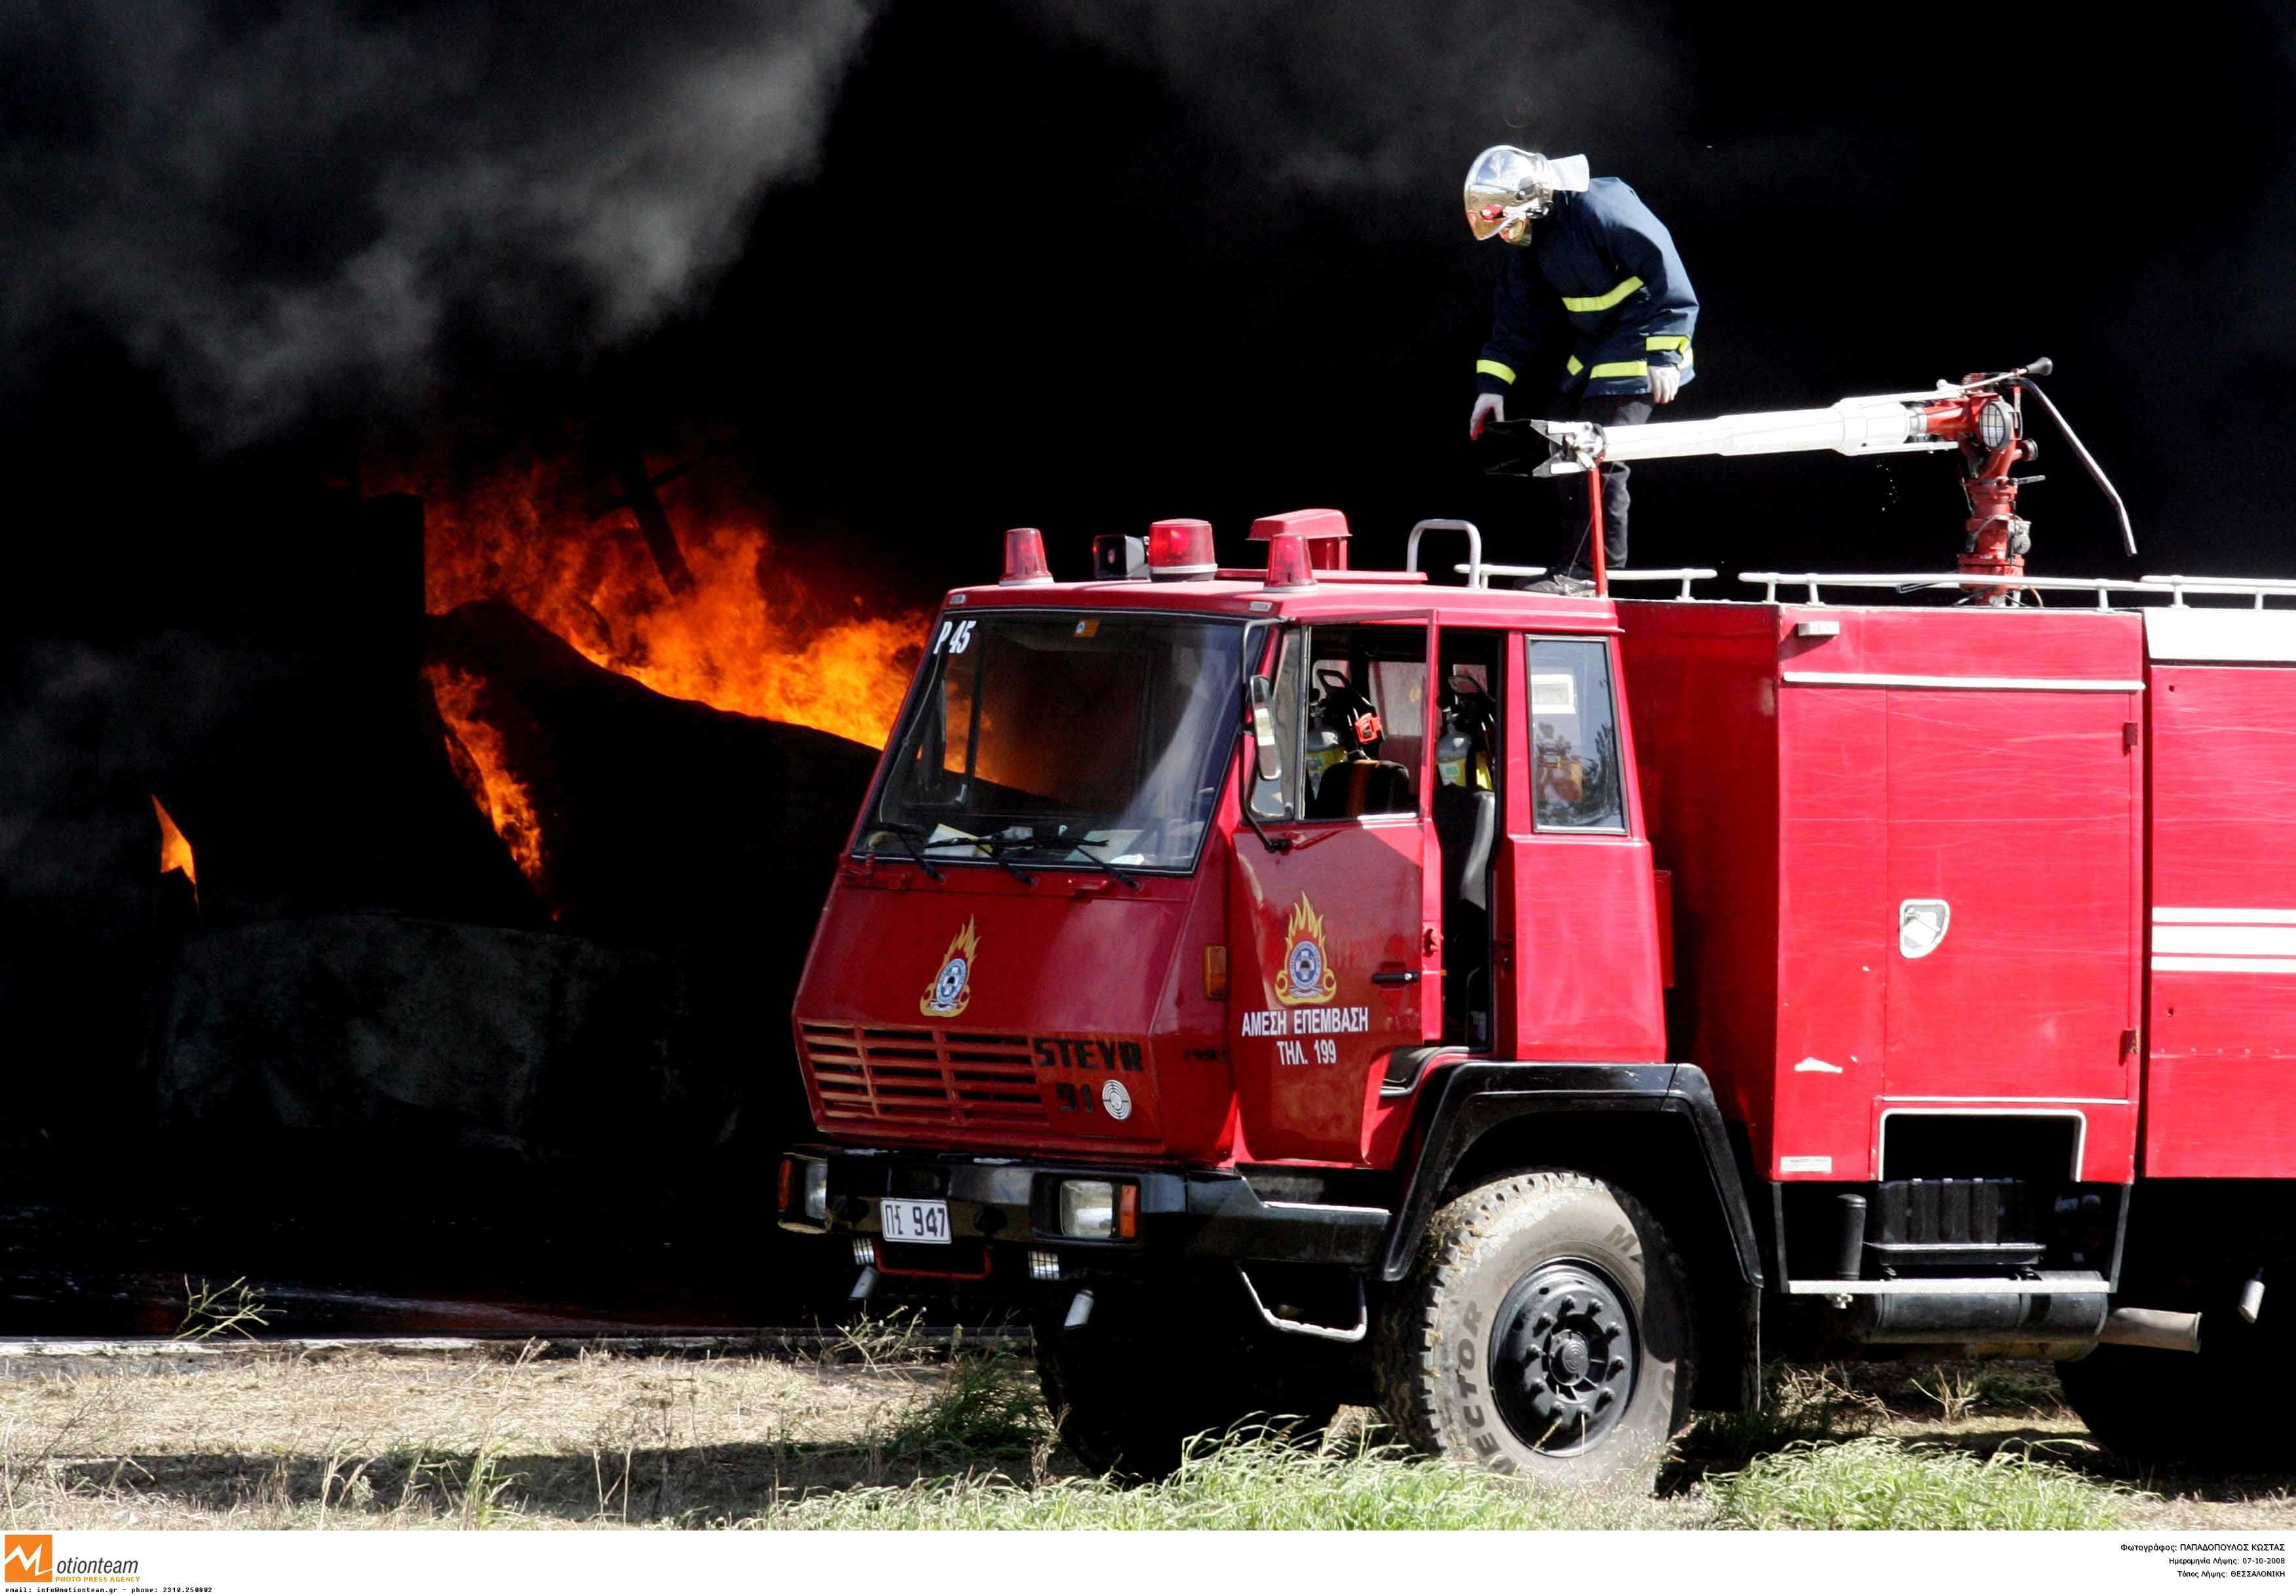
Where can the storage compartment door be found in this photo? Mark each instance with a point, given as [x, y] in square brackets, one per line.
[2223, 1033]
[2013, 870]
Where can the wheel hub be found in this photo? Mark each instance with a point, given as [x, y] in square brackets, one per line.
[1564, 1358]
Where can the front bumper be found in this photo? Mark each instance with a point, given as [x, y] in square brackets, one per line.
[999, 1206]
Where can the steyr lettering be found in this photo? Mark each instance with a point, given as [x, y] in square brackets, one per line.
[1086, 1053]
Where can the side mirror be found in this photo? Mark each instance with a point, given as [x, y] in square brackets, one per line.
[1263, 730]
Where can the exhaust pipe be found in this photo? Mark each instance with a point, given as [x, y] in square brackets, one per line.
[2151, 1327]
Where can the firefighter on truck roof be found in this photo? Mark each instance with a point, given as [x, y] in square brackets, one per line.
[1591, 320]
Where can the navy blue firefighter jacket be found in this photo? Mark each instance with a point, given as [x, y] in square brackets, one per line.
[1597, 298]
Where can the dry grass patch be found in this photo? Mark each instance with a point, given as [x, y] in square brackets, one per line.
[274, 1442]
[882, 1433]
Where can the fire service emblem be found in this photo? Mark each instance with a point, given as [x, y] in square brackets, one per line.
[952, 988]
[1307, 975]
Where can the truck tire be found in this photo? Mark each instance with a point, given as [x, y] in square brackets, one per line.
[1545, 1332]
[1152, 1369]
[2136, 1400]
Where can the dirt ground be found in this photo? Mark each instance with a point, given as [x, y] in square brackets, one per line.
[269, 1439]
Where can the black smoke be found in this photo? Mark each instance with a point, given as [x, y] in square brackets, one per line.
[303, 205]
[1086, 261]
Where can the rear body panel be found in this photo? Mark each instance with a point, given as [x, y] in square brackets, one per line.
[2222, 1016]
[1820, 783]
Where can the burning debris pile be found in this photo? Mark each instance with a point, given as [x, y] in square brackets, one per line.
[703, 607]
[634, 816]
[667, 731]
[489, 816]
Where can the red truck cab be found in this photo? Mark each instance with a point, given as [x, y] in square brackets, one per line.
[1109, 959]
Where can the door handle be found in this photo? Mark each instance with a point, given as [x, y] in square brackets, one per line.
[1395, 978]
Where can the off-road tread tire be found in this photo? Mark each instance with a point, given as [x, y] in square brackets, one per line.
[2150, 1406]
[1461, 1240]
[1149, 1370]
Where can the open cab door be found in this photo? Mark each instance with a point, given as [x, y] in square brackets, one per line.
[1334, 922]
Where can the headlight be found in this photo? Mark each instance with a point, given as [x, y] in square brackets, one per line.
[816, 1193]
[1099, 1210]
[1088, 1209]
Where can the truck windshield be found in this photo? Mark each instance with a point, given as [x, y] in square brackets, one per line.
[1051, 739]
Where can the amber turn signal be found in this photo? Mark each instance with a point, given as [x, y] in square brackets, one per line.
[1216, 973]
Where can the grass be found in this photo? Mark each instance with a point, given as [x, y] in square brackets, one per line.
[882, 1431]
[211, 1311]
[1876, 1483]
[1253, 1480]
[987, 1410]
[1800, 1405]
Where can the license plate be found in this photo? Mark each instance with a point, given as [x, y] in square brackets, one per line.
[915, 1219]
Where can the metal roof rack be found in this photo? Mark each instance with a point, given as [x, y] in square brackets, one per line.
[1475, 568]
[2104, 587]
[2174, 588]
[1683, 574]
[2260, 589]
[1480, 575]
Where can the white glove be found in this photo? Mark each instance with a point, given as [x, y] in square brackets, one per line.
[1666, 381]
[1488, 407]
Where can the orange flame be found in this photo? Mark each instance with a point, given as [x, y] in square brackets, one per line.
[475, 749]
[744, 636]
[174, 851]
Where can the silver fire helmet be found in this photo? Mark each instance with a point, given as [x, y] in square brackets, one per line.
[1508, 189]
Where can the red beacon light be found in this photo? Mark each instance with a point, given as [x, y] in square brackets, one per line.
[1181, 551]
[1024, 559]
[1299, 544]
[1325, 532]
[1290, 568]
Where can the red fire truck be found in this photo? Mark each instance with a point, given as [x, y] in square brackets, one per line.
[1528, 1013]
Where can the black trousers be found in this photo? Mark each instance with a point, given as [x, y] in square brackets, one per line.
[1608, 410]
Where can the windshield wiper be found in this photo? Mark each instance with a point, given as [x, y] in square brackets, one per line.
[1097, 863]
[908, 839]
[994, 847]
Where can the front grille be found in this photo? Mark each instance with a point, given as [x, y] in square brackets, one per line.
[905, 1074]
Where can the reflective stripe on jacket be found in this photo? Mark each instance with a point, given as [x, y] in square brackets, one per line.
[1597, 298]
